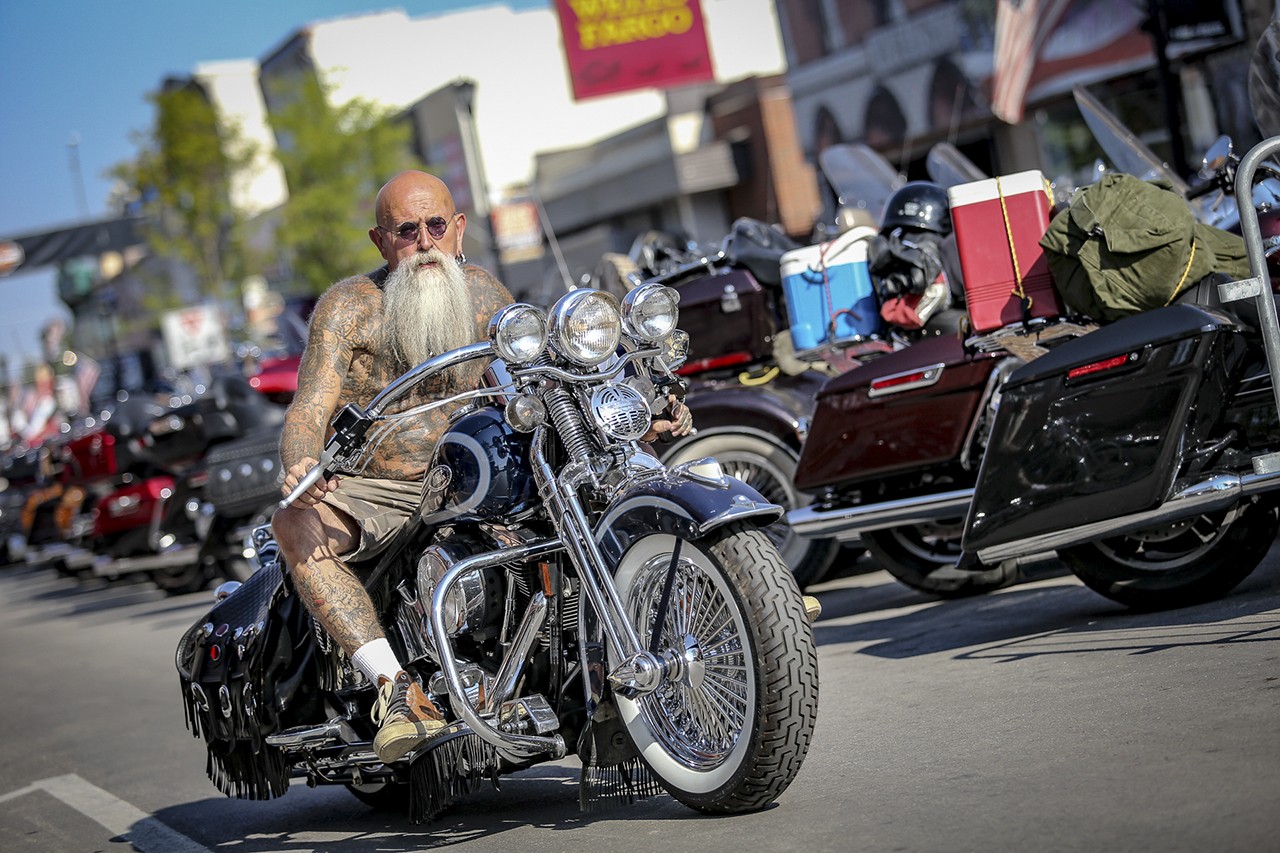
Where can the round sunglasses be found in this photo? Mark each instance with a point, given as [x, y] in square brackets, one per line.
[409, 231]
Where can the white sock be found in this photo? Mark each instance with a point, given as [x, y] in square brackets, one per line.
[375, 659]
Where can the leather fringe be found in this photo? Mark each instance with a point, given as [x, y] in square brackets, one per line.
[331, 667]
[237, 771]
[447, 773]
[607, 786]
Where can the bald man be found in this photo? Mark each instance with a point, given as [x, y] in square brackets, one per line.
[365, 331]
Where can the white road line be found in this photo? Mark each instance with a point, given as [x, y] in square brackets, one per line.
[144, 832]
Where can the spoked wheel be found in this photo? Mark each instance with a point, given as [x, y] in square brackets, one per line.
[770, 469]
[1179, 564]
[728, 734]
[927, 557]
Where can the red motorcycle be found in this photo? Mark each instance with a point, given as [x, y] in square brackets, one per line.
[131, 483]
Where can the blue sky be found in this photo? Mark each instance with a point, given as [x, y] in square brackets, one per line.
[84, 69]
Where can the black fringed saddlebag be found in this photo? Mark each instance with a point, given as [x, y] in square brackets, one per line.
[239, 667]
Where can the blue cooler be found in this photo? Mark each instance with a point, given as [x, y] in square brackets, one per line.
[826, 280]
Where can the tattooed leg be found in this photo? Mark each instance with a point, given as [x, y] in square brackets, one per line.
[337, 599]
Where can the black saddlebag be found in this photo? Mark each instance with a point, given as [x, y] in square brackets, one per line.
[1098, 428]
[245, 474]
[239, 666]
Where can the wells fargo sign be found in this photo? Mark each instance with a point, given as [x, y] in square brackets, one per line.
[617, 45]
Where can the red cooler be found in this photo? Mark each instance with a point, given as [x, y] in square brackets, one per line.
[989, 235]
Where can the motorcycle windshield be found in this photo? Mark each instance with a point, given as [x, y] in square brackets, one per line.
[1125, 151]
[948, 167]
[860, 176]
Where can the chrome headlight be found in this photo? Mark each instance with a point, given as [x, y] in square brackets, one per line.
[649, 312]
[585, 326]
[518, 333]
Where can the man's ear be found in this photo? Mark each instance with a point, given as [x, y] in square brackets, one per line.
[461, 227]
[375, 236]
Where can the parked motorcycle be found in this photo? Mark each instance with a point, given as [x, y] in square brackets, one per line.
[184, 553]
[560, 590]
[770, 320]
[126, 482]
[907, 487]
[79, 469]
[19, 476]
[751, 413]
[1146, 452]
[240, 489]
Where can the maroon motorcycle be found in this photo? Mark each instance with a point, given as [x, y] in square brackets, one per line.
[896, 446]
[770, 320]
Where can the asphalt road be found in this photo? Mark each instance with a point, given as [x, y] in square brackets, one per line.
[1041, 717]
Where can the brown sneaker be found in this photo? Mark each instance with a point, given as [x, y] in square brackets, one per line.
[405, 717]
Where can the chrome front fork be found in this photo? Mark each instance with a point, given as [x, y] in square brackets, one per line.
[640, 670]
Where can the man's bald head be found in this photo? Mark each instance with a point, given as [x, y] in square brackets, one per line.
[407, 187]
[414, 198]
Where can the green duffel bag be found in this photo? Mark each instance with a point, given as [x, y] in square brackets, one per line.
[1125, 245]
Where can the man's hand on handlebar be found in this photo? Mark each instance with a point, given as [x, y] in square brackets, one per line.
[318, 489]
[678, 422]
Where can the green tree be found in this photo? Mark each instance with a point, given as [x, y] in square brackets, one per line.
[334, 158]
[181, 181]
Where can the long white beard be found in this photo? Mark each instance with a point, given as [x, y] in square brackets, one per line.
[428, 308]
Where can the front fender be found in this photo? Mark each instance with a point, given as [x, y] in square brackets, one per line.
[689, 501]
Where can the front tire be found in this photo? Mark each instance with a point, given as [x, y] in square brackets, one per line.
[1180, 564]
[770, 469]
[927, 558]
[733, 736]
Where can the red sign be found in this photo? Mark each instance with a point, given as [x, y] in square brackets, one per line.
[619, 45]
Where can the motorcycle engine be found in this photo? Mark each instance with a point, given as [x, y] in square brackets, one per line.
[473, 606]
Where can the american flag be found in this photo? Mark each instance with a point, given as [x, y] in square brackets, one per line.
[1021, 28]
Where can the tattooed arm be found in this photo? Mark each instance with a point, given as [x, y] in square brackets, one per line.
[337, 330]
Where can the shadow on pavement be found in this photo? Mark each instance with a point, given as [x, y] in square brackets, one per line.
[1041, 617]
[544, 796]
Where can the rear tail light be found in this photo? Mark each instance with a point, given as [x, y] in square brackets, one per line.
[1106, 364]
[921, 377]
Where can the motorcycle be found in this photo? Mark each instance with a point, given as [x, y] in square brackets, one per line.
[1159, 445]
[907, 488]
[78, 470]
[20, 475]
[239, 479]
[560, 589]
[129, 484]
[770, 321]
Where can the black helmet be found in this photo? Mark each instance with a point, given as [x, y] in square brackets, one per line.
[918, 204]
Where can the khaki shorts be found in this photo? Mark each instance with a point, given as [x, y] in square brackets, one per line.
[378, 507]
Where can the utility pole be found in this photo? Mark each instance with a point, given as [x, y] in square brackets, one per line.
[77, 178]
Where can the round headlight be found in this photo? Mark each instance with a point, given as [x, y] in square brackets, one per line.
[585, 326]
[518, 333]
[649, 312]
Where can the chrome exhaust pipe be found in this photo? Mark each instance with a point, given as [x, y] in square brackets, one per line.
[1219, 492]
[846, 523]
